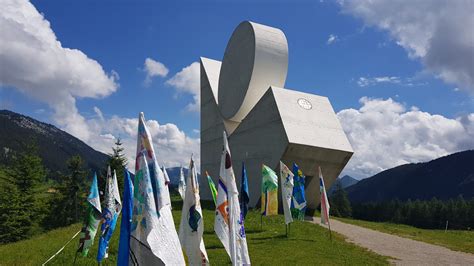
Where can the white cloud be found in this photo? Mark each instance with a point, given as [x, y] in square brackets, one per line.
[188, 81]
[332, 38]
[172, 146]
[439, 33]
[34, 62]
[384, 134]
[368, 81]
[154, 69]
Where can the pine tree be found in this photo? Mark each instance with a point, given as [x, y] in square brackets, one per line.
[340, 205]
[118, 162]
[20, 208]
[69, 196]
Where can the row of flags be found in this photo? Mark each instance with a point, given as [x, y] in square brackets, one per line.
[148, 234]
[293, 192]
[95, 214]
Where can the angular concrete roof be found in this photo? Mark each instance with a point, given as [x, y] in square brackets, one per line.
[310, 120]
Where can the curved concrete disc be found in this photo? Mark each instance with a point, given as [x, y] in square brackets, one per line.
[256, 58]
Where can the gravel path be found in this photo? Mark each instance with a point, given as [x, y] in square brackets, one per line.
[404, 251]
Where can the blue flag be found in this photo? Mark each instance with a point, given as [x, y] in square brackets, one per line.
[244, 193]
[125, 226]
[298, 205]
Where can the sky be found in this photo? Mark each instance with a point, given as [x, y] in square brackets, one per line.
[399, 74]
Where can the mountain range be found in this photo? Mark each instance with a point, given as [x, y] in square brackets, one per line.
[55, 146]
[444, 178]
[345, 182]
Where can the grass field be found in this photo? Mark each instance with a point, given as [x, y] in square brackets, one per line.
[453, 239]
[308, 244]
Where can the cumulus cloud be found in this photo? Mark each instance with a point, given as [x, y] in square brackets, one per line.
[439, 33]
[154, 69]
[332, 38]
[384, 134]
[34, 62]
[188, 81]
[172, 146]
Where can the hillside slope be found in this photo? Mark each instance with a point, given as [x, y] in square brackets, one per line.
[444, 178]
[55, 146]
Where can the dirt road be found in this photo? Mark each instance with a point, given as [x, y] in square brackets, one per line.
[404, 251]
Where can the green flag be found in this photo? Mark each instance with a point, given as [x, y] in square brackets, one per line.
[92, 220]
[212, 187]
[269, 191]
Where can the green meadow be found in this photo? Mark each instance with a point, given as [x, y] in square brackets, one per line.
[459, 240]
[307, 244]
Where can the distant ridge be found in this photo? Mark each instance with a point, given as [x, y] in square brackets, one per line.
[55, 146]
[345, 182]
[444, 178]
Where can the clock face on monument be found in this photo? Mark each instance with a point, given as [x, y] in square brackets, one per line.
[305, 104]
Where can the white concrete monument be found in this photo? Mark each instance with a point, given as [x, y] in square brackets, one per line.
[266, 123]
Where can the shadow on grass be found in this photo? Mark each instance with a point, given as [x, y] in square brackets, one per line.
[270, 237]
[216, 247]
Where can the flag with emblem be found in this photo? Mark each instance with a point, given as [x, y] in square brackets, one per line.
[92, 219]
[113, 206]
[153, 236]
[298, 205]
[192, 224]
[286, 181]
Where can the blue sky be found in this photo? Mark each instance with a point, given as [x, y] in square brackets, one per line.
[366, 58]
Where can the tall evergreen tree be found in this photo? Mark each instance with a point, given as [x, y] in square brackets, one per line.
[70, 195]
[117, 161]
[340, 205]
[20, 207]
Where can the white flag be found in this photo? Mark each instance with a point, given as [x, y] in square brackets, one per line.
[167, 182]
[153, 238]
[237, 239]
[182, 184]
[324, 199]
[286, 180]
[116, 192]
[221, 221]
[192, 223]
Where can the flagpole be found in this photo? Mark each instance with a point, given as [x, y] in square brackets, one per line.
[75, 257]
[329, 225]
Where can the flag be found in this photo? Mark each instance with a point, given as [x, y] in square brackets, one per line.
[298, 205]
[113, 206]
[286, 181]
[212, 187]
[324, 199]
[182, 184]
[244, 193]
[269, 191]
[229, 223]
[192, 224]
[92, 219]
[167, 182]
[221, 221]
[125, 226]
[153, 237]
